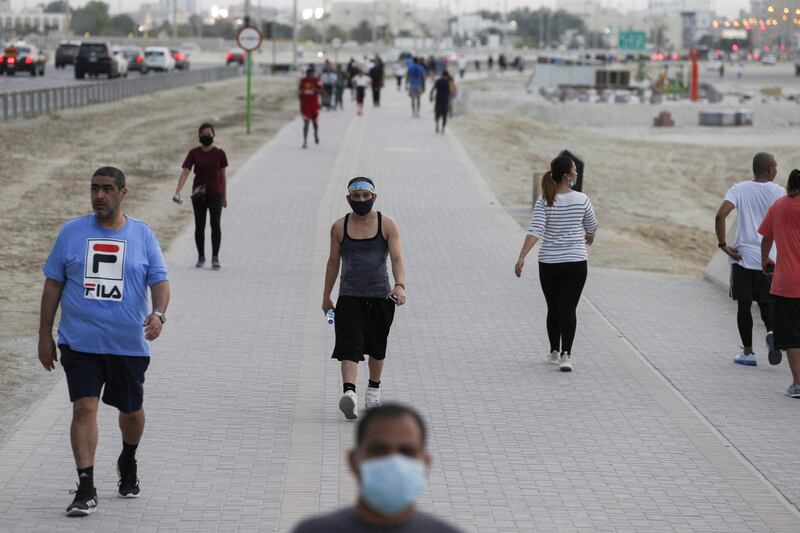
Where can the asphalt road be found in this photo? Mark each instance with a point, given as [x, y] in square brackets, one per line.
[53, 77]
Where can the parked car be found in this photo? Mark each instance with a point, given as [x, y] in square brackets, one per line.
[66, 53]
[159, 58]
[135, 57]
[95, 58]
[235, 55]
[769, 59]
[181, 59]
[27, 58]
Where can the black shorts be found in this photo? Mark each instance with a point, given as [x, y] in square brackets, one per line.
[749, 285]
[786, 322]
[360, 92]
[440, 110]
[362, 327]
[121, 377]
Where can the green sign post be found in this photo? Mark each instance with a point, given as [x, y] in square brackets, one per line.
[249, 39]
[632, 40]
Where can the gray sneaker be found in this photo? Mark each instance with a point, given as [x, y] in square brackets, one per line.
[793, 391]
[215, 264]
[201, 261]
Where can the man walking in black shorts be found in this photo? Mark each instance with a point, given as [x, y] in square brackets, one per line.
[751, 199]
[441, 92]
[99, 271]
[361, 242]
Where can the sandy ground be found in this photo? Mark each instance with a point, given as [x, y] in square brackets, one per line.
[45, 181]
[655, 190]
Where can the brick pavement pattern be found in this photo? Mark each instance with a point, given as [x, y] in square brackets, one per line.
[243, 431]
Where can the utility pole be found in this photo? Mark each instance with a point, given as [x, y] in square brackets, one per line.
[374, 24]
[174, 19]
[294, 35]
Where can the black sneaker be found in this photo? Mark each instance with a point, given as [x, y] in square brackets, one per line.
[84, 504]
[128, 482]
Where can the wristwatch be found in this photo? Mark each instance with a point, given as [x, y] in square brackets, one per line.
[160, 315]
[722, 245]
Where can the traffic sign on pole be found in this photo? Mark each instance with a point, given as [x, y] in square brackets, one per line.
[249, 39]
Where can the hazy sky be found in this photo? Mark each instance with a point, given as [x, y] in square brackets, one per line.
[725, 7]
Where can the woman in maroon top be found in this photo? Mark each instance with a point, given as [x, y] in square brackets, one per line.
[208, 192]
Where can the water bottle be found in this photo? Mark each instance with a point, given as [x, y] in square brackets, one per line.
[329, 317]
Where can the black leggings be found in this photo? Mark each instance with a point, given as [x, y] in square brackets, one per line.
[744, 319]
[212, 203]
[562, 284]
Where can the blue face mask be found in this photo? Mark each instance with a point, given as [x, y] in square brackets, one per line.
[390, 484]
[361, 208]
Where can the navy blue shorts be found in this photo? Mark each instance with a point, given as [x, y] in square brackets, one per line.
[120, 377]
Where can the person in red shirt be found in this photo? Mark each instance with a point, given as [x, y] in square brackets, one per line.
[308, 92]
[781, 225]
[209, 192]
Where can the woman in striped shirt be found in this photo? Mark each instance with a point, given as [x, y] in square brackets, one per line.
[564, 221]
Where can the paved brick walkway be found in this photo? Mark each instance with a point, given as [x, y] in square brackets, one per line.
[243, 429]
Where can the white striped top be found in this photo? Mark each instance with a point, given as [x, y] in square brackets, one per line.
[563, 227]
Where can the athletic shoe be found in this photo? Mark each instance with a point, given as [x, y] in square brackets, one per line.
[128, 482]
[554, 358]
[201, 262]
[347, 405]
[316, 139]
[215, 264]
[565, 364]
[84, 504]
[793, 391]
[775, 354]
[373, 397]
[746, 359]
[305, 145]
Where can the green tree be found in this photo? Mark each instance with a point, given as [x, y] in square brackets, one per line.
[92, 18]
[121, 25]
[59, 6]
[309, 33]
[361, 33]
[335, 32]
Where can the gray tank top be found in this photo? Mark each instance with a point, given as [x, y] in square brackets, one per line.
[364, 270]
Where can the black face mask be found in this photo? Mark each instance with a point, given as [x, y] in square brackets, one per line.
[361, 208]
[206, 140]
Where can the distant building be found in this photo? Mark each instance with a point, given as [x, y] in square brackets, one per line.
[30, 20]
[675, 7]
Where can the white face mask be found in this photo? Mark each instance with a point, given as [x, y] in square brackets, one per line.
[392, 483]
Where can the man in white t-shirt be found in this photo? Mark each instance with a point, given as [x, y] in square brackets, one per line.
[751, 199]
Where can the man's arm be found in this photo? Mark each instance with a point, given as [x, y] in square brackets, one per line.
[159, 293]
[332, 268]
[224, 179]
[719, 225]
[51, 297]
[396, 255]
[766, 248]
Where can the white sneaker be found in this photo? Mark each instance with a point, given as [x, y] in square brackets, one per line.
[347, 405]
[746, 359]
[565, 365]
[373, 397]
[554, 358]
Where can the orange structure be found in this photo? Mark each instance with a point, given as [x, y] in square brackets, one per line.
[694, 87]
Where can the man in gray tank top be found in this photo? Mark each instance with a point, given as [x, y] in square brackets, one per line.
[361, 243]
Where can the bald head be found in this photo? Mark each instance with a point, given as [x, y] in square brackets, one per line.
[764, 166]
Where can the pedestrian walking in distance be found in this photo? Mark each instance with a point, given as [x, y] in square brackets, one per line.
[376, 75]
[391, 464]
[338, 89]
[781, 226]
[751, 199]
[209, 192]
[415, 81]
[361, 243]
[441, 93]
[309, 90]
[361, 81]
[564, 221]
[99, 271]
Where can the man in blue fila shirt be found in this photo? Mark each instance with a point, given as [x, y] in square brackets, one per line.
[99, 270]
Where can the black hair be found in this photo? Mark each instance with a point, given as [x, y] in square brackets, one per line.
[761, 163]
[360, 178]
[111, 172]
[559, 167]
[793, 185]
[205, 125]
[388, 410]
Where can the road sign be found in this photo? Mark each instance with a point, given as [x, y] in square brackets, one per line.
[249, 38]
[336, 43]
[632, 40]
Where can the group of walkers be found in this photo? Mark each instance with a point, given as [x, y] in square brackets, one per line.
[765, 262]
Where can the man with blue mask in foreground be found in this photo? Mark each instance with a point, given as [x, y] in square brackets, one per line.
[391, 465]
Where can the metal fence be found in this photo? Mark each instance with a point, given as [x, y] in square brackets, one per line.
[35, 102]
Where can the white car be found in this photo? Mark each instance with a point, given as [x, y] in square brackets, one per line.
[769, 59]
[159, 58]
[122, 62]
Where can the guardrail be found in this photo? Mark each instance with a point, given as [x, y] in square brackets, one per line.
[35, 102]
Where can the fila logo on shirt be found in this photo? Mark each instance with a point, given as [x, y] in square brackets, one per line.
[104, 270]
